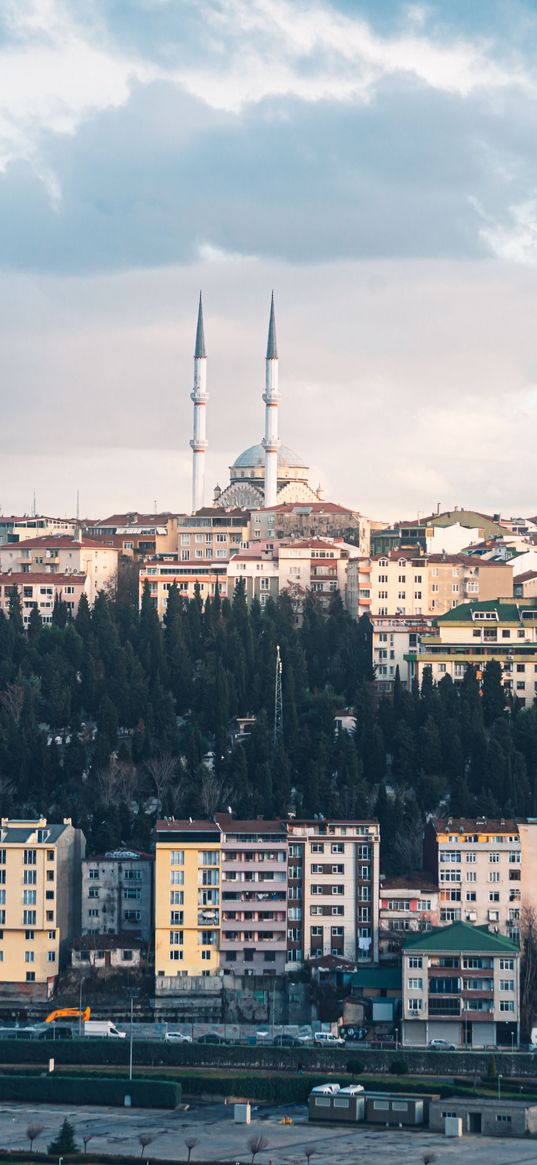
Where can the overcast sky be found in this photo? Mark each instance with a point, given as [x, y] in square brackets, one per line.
[374, 162]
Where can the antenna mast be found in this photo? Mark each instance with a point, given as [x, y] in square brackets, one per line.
[278, 701]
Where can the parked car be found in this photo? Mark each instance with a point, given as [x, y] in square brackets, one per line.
[177, 1038]
[211, 1038]
[263, 1036]
[442, 1046]
[327, 1039]
[325, 1090]
[286, 1041]
[304, 1035]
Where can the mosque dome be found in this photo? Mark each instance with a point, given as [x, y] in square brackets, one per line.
[254, 458]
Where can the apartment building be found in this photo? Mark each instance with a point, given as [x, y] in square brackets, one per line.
[39, 903]
[333, 890]
[304, 520]
[461, 983]
[136, 535]
[473, 634]
[117, 894]
[212, 533]
[18, 528]
[408, 903]
[449, 531]
[61, 555]
[254, 895]
[258, 569]
[394, 638]
[189, 577]
[187, 898]
[477, 865]
[422, 584]
[41, 591]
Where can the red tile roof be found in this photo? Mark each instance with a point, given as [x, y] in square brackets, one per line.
[27, 578]
[51, 542]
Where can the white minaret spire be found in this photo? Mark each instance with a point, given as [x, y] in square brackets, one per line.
[199, 442]
[271, 398]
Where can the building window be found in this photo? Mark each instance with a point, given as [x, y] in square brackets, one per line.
[30, 976]
[52, 956]
[93, 874]
[29, 917]
[177, 857]
[30, 877]
[93, 892]
[30, 857]
[29, 956]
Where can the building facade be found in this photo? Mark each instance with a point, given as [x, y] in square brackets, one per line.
[212, 534]
[422, 584]
[59, 554]
[187, 898]
[475, 633]
[409, 903]
[190, 578]
[41, 591]
[333, 893]
[117, 894]
[40, 867]
[478, 867]
[254, 896]
[461, 983]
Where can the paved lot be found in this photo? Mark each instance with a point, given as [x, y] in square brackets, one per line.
[117, 1130]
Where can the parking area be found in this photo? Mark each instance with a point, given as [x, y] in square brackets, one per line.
[220, 1139]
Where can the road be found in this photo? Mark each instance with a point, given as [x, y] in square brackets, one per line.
[117, 1131]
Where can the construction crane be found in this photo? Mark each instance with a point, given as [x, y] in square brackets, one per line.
[69, 1013]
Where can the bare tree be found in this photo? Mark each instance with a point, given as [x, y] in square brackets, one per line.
[108, 781]
[12, 700]
[145, 1139]
[309, 1152]
[33, 1132]
[162, 770]
[86, 1139]
[212, 791]
[178, 793]
[191, 1143]
[256, 1144]
[528, 969]
[126, 780]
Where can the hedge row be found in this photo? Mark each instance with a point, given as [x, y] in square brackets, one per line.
[91, 1090]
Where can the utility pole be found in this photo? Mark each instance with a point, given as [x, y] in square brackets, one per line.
[278, 700]
[130, 1041]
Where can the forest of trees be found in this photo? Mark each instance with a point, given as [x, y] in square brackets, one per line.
[107, 719]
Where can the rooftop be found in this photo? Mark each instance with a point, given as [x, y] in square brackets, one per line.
[106, 942]
[413, 881]
[254, 458]
[459, 937]
[384, 978]
[507, 610]
[474, 825]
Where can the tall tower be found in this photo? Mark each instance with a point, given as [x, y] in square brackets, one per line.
[199, 442]
[271, 398]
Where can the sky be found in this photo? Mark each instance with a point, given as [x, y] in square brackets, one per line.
[372, 161]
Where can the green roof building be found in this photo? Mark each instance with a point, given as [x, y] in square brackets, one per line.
[461, 988]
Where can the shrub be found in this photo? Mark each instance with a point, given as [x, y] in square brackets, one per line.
[491, 1068]
[355, 1067]
[91, 1090]
[399, 1067]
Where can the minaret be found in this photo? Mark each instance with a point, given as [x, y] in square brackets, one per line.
[199, 442]
[271, 398]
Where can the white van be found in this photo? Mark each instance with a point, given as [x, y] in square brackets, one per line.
[325, 1090]
[103, 1029]
[328, 1040]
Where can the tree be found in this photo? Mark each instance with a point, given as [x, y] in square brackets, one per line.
[191, 1143]
[145, 1139]
[493, 692]
[33, 1132]
[162, 770]
[256, 1144]
[528, 969]
[64, 1142]
[86, 1139]
[309, 1152]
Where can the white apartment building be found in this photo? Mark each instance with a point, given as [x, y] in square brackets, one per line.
[400, 584]
[478, 868]
[409, 902]
[61, 555]
[333, 888]
[394, 636]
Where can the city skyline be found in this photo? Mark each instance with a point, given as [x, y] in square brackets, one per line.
[374, 167]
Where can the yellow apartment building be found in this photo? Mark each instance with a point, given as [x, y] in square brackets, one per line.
[187, 898]
[40, 873]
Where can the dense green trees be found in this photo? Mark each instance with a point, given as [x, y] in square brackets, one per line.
[108, 719]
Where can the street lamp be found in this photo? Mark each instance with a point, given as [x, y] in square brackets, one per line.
[130, 1041]
[512, 1042]
[499, 1085]
[82, 981]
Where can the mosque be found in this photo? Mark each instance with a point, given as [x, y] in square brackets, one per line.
[264, 475]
